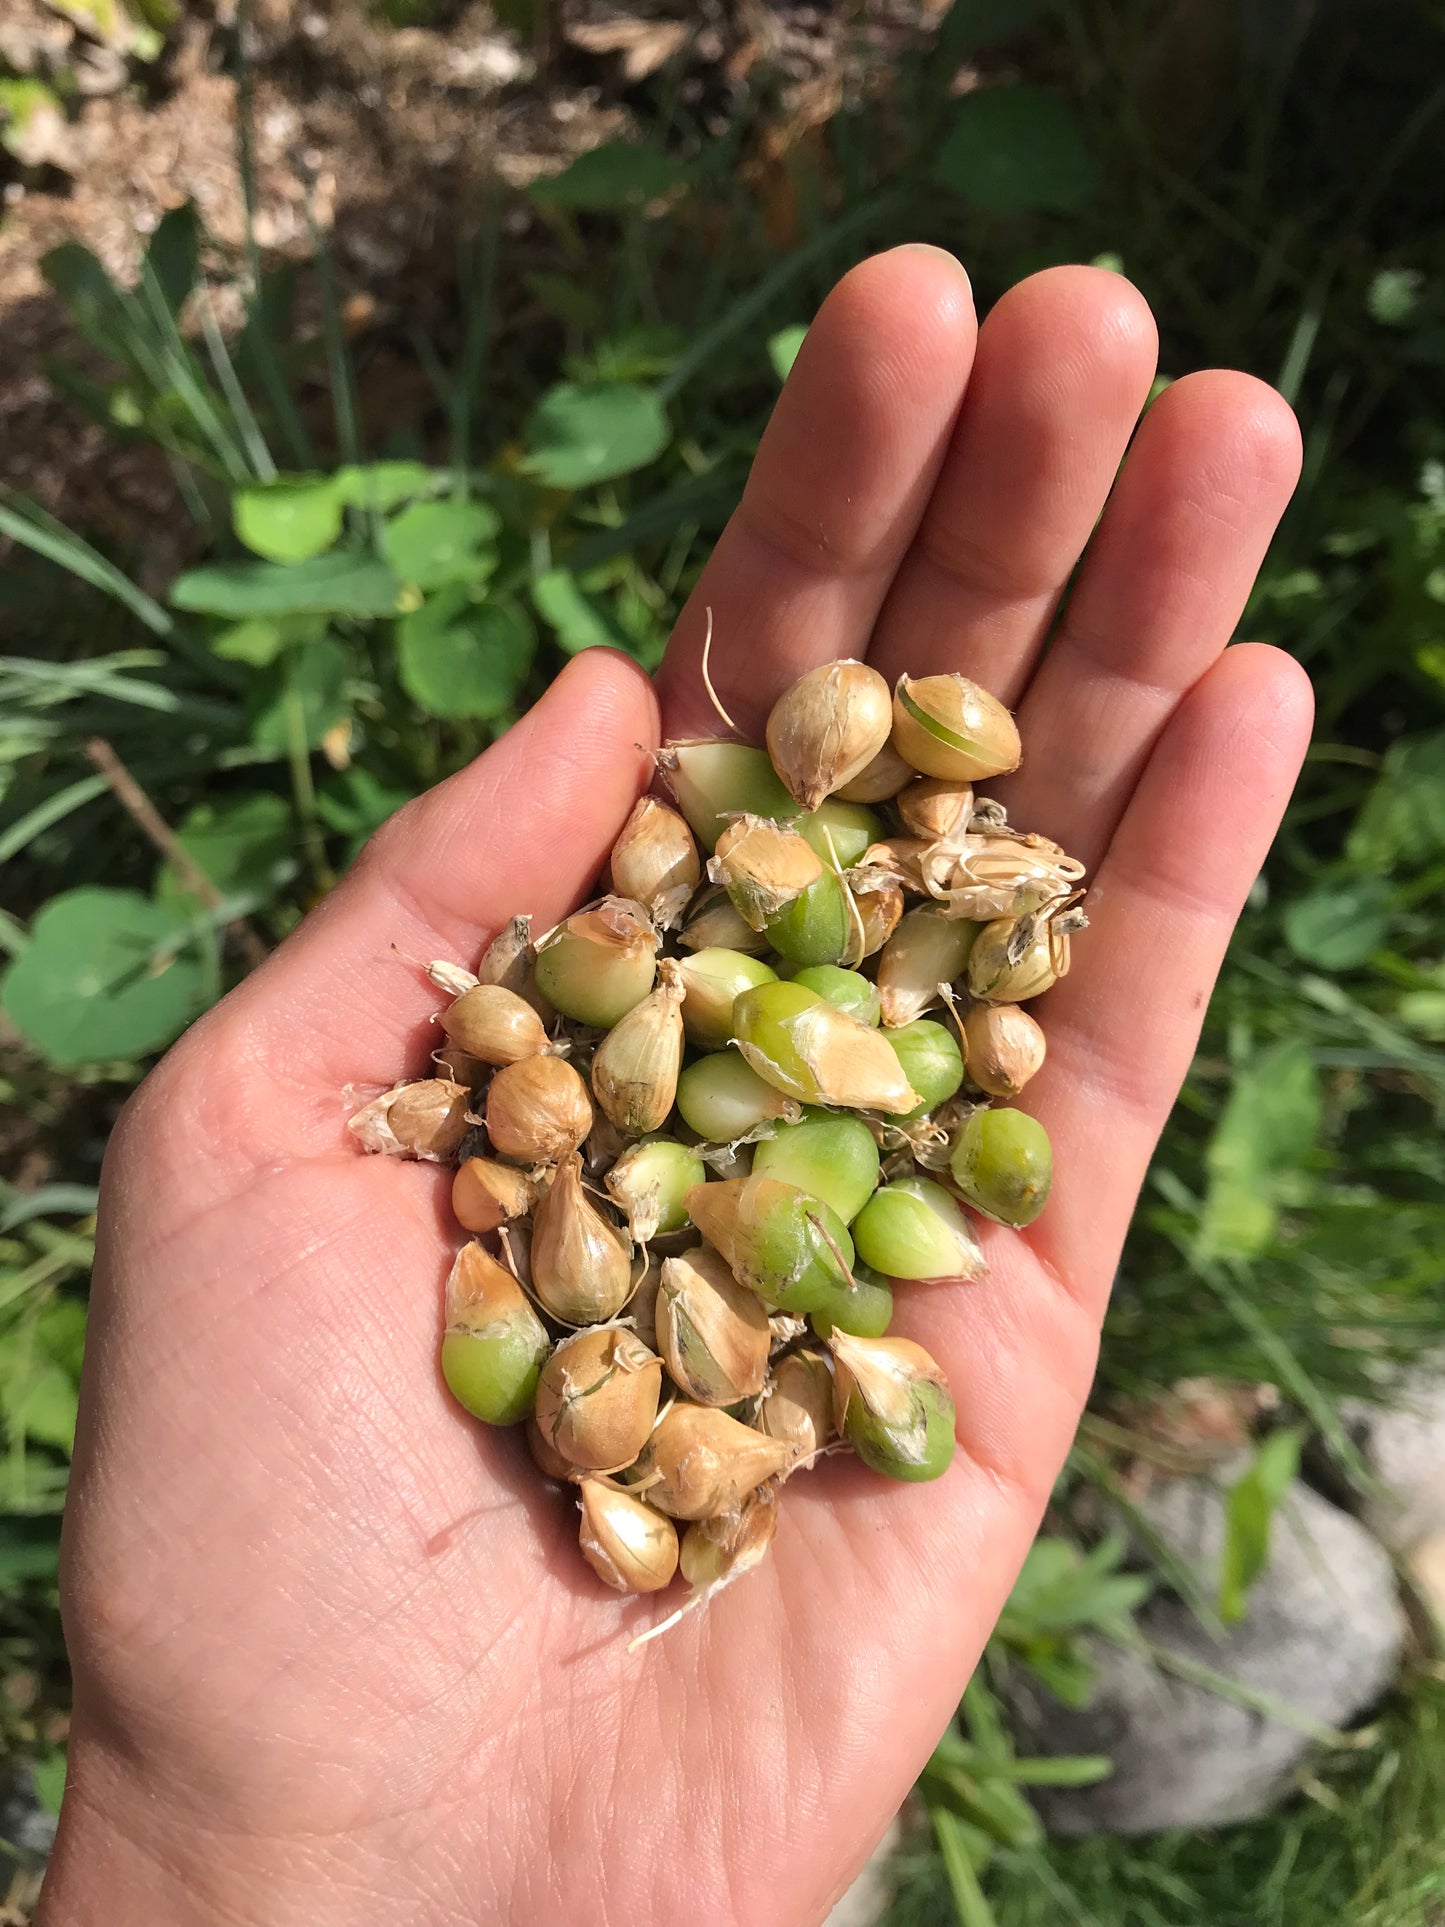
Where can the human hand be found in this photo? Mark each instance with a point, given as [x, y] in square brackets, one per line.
[336, 1658]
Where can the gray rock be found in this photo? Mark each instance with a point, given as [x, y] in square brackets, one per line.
[1322, 1634]
[25, 1825]
[1405, 1449]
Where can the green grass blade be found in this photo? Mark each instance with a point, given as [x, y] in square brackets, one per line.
[27, 523]
[968, 1896]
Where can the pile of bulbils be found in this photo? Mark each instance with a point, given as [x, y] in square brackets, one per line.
[701, 1126]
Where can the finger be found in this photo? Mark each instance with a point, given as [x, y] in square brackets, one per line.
[1063, 368]
[1122, 1026]
[1165, 581]
[841, 477]
[523, 829]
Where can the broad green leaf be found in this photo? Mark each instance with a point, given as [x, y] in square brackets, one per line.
[432, 543]
[60, 1334]
[783, 348]
[457, 657]
[29, 1549]
[615, 175]
[1403, 820]
[580, 620]
[290, 520]
[47, 1776]
[107, 974]
[41, 1403]
[173, 255]
[1268, 1127]
[386, 485]
[356, 801]
[305, 696]
[260, 640]
[344, 584]
[238, 841]
[1338, 928]
[970, 25]
[581, 435]
[1249, 1511]
[1012, 150]
[96, 305]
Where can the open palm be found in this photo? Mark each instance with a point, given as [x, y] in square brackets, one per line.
[336, 1657]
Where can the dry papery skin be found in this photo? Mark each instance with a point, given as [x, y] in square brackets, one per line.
[842, 926]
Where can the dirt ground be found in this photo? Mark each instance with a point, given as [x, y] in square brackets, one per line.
[390, 133]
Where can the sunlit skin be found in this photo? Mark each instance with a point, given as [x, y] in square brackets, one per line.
[337, 1659]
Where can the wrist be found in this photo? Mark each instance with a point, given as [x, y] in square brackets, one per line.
[134, 1852]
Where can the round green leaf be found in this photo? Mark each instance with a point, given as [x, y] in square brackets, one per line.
[580, 435]
[386, 485]
[460, 658]
[783, 348]
[345, 584]
[288, 521]
[1337, 929]
[305, 697]
[238, 842]
[432, 543]
[617, 174]
[1015, 149]
[104, 976]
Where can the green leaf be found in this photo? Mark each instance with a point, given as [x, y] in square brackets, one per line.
[173, 255]
[96, 305]
[457, 657]
[783, 348]
[386, 485]
[615, 175]
[256, 643]
[239, 841]
[106, 975]
[307, 695]
[1403, 820]
[344, 584]
[1249, 1511]
[432, 543]
[47, 1776]
[970, 25]
[1012, 150]
[580, 620]
[1338, 928]
[354, 802]
[1268, 1127]
[291, 520]
[581, 435]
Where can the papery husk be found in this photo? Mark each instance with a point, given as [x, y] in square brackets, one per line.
[928, 949]
[609, 946]
[495, 1024]
[628, 1544]
[638, 1193]
[712, 1332]
[581, 1266]
[827, 728]
[425, 1119]
[879, 902]
[900, 858]
[483, 1298]
[1000, 874]
[641, 1307]
[936, 809]
[886, 1374]
[1015, 958]
[458, 1066]
[798, 1408]
[714, 922]
[980, 738]
[597, 1398]
[844, 1062]
[715, 1551]
[885, 776]
[635, 1067]
[705, 1462]
[764, 866]
[545, 1456]
[451, 977]
[655, 861]
[487, 1194]
[537, 1110]
[509, 960]
[1003, 1048]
